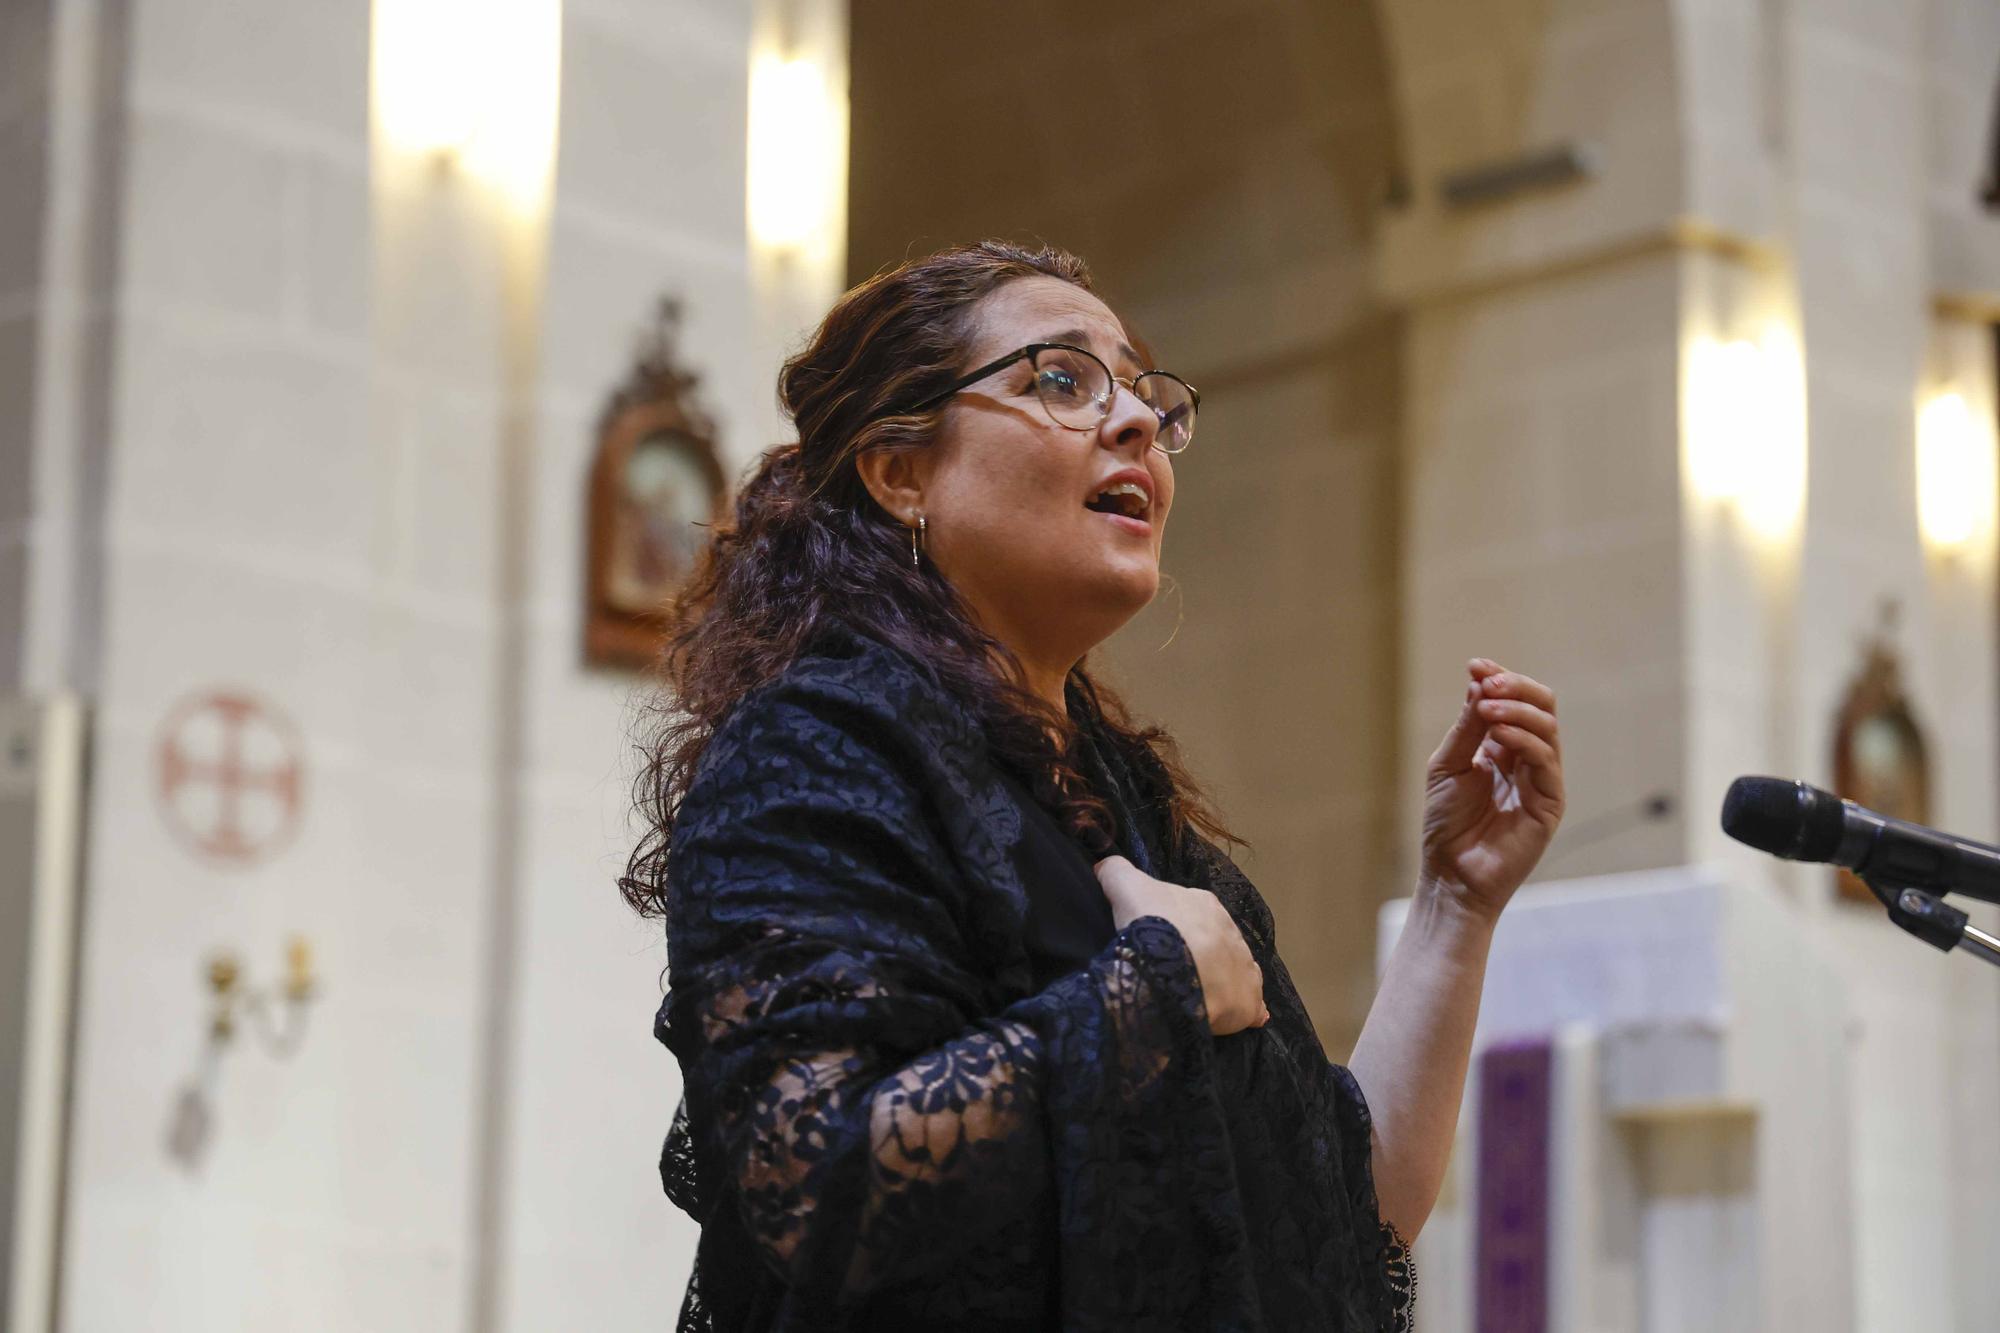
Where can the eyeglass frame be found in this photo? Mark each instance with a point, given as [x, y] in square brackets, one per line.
[1131, 383]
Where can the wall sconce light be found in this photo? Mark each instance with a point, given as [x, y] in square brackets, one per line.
[798, 148]
[232, 996]
[191, 1123]
[1745, 444]
[471, 83]
[1955, 474]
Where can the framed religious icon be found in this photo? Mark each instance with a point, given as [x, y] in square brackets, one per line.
[656, 486]
[1879, 756]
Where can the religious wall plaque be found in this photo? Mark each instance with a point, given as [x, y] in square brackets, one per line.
[229, 772]
[1879, 756]
[656, 486]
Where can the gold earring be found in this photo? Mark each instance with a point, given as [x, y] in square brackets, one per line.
[919, 538]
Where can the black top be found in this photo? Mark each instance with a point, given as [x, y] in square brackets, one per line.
[1069, 919]
[927, 1083]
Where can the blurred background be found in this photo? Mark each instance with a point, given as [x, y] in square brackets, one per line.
[365, 372]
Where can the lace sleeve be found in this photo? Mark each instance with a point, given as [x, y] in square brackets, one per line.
[852, 1093]
[1399, 1271]
[854, 1167]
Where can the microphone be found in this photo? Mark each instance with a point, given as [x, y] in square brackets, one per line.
[1799, 822]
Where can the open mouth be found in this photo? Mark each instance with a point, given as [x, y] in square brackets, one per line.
[1125, 499]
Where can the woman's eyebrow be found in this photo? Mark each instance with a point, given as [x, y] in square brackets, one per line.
[1082, 339]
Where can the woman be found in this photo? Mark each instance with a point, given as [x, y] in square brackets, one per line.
[978, 1029]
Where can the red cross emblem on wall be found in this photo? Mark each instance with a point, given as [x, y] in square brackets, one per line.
[230, 770]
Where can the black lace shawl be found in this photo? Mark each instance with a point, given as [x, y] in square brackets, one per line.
[886, 1126]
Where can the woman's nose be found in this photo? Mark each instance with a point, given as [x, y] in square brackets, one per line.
[1129, 421]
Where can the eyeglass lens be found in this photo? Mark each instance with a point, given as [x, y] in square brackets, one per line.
[1076, 390]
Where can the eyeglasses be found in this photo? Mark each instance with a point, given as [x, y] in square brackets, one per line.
[1077, 390]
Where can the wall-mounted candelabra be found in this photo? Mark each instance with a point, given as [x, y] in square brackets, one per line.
[276, 1013]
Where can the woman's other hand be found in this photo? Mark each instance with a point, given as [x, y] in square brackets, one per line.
[1493, 793]
[1232, 985]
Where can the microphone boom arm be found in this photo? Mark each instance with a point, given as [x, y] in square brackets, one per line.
[1934, 921]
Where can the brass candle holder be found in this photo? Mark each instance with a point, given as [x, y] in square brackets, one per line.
[237, 1003]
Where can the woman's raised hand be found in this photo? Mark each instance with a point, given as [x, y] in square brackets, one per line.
[1494, 788]
[1232, 985]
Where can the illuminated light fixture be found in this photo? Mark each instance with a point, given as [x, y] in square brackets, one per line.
[1955, 474]
[1745, 438]
[797, 146]
[473, 83]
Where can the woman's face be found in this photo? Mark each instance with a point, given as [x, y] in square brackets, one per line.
[1007, 492]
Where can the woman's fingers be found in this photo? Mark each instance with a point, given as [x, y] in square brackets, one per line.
[1461, 742]
[1526, 745]
[1543, 763]
[1503, 684]
[1527, 716]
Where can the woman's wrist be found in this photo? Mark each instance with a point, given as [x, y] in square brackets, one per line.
[1444, 906]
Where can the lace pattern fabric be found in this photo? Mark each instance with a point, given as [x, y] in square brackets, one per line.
[884, 1127]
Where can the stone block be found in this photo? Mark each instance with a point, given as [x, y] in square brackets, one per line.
[657, 138]
[20, 352]
[1474, 486]
[1724, 68]
[1610, 461]
[1469, 352]
[605, 283]
[1860, 122]
[1862, 476]
[1608, 79]
[297, 68]
[333, 243]
[239, 441]
[205, 219]
[24, 205]
[14, 551]
[438, 293]
[1963, 36]
[1454, 116]
[582, 725]
[1245, 90]
[425, 693]
[449, 519]
[1889, 31]
[1572, 322]
[386, 1284]
[1960, 123]
[411, 1129]
[401, 862]
[565, 440]
[669, 28]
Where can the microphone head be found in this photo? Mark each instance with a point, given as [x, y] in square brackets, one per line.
[1785, 818]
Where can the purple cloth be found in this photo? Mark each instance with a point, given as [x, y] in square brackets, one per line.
[1512, 1245]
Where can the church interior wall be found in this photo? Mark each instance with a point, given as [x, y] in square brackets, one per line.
[325, 584]
[305, 497]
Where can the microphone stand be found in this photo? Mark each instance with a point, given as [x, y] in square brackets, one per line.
[1934, 921]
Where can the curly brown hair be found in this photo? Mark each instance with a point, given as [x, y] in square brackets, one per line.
[808, 547]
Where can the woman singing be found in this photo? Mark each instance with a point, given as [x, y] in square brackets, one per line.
[979, 1028]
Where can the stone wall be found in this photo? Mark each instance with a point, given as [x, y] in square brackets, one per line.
[315, 385]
